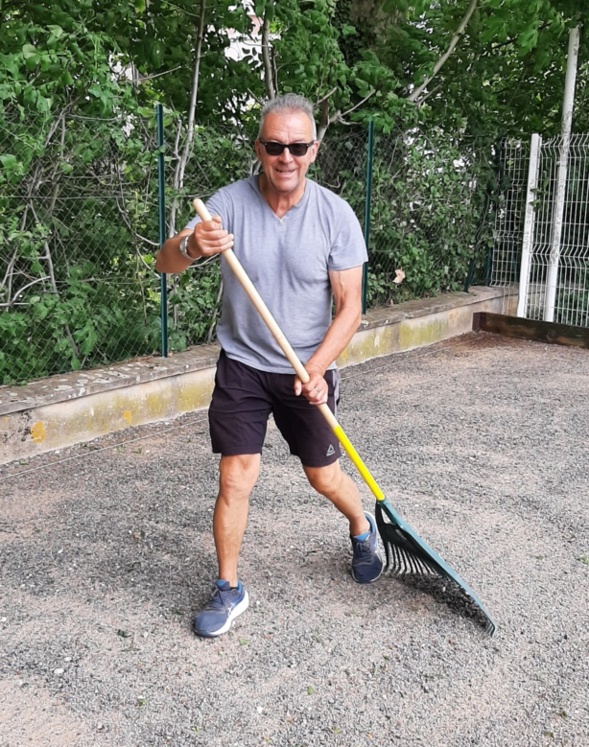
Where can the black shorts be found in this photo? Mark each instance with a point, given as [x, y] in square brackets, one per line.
[243, 400]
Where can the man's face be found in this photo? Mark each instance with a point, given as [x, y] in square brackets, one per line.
[286, 173]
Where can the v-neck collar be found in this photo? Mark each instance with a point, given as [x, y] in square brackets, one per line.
[255, 181]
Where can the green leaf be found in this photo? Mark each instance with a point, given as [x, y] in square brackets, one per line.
[29, 52]
[56, 31]
[9, 161]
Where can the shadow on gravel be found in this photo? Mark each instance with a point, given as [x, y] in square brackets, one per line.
[445, 592]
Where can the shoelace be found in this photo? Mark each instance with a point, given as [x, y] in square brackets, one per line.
[221, 599]
[362, 549]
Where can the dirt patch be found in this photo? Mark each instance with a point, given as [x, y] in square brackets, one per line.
[480, 443]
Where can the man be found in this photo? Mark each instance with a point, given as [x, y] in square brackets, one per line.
[303, 248]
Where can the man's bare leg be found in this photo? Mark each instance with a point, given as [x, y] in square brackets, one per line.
[338, 487]
[237, 478]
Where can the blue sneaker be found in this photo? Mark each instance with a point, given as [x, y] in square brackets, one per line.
[224, 606]
[367, 563]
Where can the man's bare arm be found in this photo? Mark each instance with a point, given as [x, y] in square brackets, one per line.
[204, 240]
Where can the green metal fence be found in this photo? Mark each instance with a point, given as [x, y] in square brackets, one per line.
[85, 204]
[78, 230]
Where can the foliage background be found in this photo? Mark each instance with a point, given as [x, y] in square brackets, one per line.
[80, 192]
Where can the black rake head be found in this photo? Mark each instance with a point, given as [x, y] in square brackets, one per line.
[416, 564]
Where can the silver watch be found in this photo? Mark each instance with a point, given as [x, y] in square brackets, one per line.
[184, 248]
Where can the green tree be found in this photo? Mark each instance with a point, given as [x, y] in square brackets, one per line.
[473, 66]
[73, 266]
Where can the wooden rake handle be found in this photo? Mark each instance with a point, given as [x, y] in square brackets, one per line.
[290, 354]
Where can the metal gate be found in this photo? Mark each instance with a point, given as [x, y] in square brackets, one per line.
[554, 271]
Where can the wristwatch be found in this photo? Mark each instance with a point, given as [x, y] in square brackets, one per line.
[184, 248]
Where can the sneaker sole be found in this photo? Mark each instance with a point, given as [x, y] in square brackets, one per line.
[235, 612]
[372, 580]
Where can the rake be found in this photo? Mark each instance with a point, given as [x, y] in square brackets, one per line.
[407, 555]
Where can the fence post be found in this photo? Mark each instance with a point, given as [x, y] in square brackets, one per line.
[367, 201]
[161, 183]
[561, 177]
[529, 225]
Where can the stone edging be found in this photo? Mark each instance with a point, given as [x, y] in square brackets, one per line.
[77, 407]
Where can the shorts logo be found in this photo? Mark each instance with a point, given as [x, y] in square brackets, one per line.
[330, 451]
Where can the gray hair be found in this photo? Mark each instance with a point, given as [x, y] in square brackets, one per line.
[292, 102]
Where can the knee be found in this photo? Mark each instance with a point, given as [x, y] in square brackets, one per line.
[325, 480]
[238, 475]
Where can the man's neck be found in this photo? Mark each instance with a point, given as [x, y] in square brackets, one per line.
[280, 204]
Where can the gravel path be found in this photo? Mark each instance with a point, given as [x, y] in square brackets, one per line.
[106, 553]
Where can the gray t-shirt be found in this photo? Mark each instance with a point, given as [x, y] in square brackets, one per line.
[287, 260]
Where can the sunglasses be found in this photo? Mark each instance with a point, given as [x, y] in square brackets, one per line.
[277, 149]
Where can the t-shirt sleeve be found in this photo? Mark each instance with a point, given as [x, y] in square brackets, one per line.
[348, 248]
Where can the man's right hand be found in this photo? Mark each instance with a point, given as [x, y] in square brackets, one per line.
[206, 239]
[211, 238]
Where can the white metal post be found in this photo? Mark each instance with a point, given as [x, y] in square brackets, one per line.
[561, 179]
[529, 225]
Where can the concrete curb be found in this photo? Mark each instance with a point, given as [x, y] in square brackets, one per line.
[78, 407]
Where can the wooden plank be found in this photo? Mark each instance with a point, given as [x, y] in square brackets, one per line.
[531, 329]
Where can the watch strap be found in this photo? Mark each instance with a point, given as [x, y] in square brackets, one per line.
[183, 247]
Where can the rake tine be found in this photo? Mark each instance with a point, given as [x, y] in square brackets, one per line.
[399, 560]
[412, 563]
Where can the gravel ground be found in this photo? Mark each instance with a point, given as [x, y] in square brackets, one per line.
[480, 443]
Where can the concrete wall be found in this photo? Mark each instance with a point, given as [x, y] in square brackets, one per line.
[81, 406]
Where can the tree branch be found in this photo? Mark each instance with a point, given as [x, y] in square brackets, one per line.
[416, 94]
[325, 119]
[182, 158]
[267, 59]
